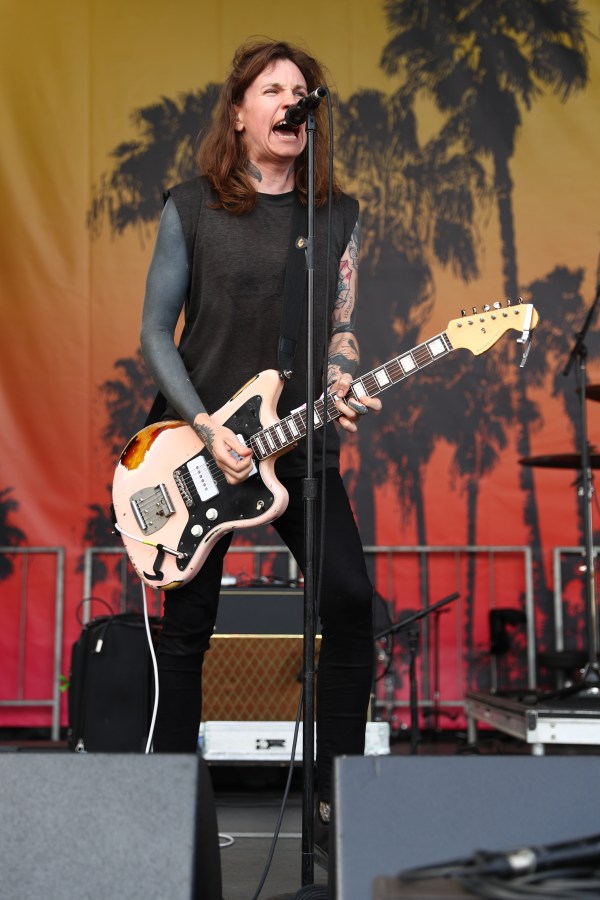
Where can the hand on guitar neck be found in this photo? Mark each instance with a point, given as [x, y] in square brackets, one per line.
[352, 409]
[233, 458]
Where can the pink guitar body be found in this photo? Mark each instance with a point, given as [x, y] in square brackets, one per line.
[169, 491]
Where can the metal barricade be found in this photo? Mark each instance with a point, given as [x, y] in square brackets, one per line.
[20, 582]
[559, 554]
[383, 561]
[128, 581]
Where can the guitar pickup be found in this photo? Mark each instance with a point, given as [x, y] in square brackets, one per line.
[151, 508]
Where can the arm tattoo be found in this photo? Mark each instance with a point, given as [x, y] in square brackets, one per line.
[340, 364]
[344, 360]
[343, 316]
[206, 435]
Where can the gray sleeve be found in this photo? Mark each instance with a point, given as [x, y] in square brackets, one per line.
[166, 287]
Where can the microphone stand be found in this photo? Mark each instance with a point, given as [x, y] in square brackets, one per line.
[310, 515]
[413, 644]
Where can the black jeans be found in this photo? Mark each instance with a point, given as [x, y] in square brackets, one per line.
[346, 654]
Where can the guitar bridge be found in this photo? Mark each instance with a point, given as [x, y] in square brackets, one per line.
[151, 508]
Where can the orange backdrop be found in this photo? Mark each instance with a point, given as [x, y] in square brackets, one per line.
[74, 77]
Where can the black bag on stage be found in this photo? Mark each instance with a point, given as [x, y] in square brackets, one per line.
[111, 685]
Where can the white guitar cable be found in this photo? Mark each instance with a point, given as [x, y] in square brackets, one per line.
[133, 537]
[154, 667]
[225, 840]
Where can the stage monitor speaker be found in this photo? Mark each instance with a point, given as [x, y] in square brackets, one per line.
[396, 812]
[78, 825]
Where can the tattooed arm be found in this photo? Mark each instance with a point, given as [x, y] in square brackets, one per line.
[343, 352]
[165, 291]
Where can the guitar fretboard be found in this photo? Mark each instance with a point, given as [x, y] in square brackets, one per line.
[291, 428]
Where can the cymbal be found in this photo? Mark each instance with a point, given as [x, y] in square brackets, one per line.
[592, 392]
[560, 461]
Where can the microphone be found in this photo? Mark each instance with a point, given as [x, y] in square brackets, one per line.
[298, 114]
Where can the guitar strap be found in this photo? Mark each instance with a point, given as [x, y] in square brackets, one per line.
[293, 292]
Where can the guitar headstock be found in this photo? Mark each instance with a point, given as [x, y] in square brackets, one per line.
[478, 331]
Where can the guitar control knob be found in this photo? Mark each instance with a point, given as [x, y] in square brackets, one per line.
[211, 514]
[196, 530]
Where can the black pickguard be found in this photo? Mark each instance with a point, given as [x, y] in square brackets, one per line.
[237, 502]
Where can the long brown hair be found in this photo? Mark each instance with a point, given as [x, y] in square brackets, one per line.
[222, 156]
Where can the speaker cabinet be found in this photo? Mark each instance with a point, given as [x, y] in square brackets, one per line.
[393, 813]
[253, 669]
[253, 677]
[255, 611]
[104, 826]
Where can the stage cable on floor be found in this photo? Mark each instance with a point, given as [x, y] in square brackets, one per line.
[569, 870]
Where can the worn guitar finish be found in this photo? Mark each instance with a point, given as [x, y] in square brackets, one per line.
[172, 502]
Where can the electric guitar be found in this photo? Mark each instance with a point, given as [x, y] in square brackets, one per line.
[171, 501]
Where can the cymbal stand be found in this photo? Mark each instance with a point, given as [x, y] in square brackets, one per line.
[590, 679]
[412, 630]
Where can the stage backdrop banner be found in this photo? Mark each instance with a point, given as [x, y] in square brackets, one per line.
[472, 144]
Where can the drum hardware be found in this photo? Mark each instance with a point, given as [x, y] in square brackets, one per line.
[584, 461]
[562, 460]
[412, 631]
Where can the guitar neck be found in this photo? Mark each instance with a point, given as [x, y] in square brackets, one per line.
[288, 431]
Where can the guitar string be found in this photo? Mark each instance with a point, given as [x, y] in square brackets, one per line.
[394, 370]
[269, 436]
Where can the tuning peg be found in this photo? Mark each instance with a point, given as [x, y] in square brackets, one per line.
[474, 308]
[508, 301]
[497, 304]
[521, 300]
[463, 312]
[486, 307]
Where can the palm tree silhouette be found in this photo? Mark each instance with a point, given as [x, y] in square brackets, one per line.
[482, 63]
[418, 204]
[564, 313]
[131, 195]
[10, 535]
[128, 399]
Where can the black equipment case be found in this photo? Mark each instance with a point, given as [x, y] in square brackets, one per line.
[111, 685]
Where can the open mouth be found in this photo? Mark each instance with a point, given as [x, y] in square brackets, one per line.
[284, 129]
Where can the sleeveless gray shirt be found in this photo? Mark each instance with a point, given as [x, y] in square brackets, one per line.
[234, 300]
